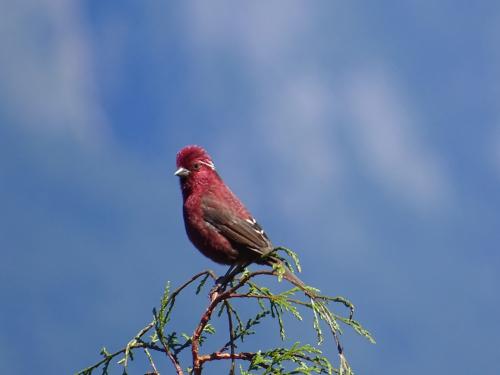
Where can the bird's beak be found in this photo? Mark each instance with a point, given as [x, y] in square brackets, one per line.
[182, 172]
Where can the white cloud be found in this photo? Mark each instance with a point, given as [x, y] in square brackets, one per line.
[301, 123]
[385, 128]
[297, 128]
[296, 122]
[262, 32]
[292, 113]
[303, 106]
[46, 70]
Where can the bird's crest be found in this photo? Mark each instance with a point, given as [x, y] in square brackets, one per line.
[190, 153]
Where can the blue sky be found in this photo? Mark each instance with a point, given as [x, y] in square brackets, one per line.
[364, 136]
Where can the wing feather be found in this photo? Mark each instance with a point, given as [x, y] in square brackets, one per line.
[244, 234]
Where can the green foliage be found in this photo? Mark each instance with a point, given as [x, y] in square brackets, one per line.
[299, 358]
[306, 359]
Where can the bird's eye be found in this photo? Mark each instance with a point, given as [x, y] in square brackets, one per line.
[196, 166]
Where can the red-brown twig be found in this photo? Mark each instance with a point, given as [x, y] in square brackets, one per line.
[216, 298]
[247, 356]
[231, 335]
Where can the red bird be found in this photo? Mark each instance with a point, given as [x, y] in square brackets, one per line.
[216, 222]
[220, 226]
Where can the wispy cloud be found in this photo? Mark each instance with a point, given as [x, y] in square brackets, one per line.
[303, 106]
[46, 70]
[385, 128]
[260, 33]
[297, 128]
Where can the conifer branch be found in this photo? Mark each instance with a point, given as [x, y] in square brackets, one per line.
[299, 358]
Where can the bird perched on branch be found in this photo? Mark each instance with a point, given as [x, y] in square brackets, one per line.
[216, 221]
[220, 226]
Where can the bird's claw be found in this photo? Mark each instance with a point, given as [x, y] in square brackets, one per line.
[221, 280]
[219, 287]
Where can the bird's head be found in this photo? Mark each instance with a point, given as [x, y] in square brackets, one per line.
[194, 163]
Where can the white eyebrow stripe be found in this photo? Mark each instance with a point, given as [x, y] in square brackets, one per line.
[209, 164]
[253, 222]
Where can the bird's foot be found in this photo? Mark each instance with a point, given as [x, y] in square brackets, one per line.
[222, 281]
[219, 287]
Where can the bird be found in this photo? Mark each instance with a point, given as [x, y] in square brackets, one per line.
[222, 228]
[216, 221]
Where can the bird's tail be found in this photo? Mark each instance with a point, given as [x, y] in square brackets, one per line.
[293, 278]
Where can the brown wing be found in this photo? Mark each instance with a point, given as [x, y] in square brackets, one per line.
[244, 234]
